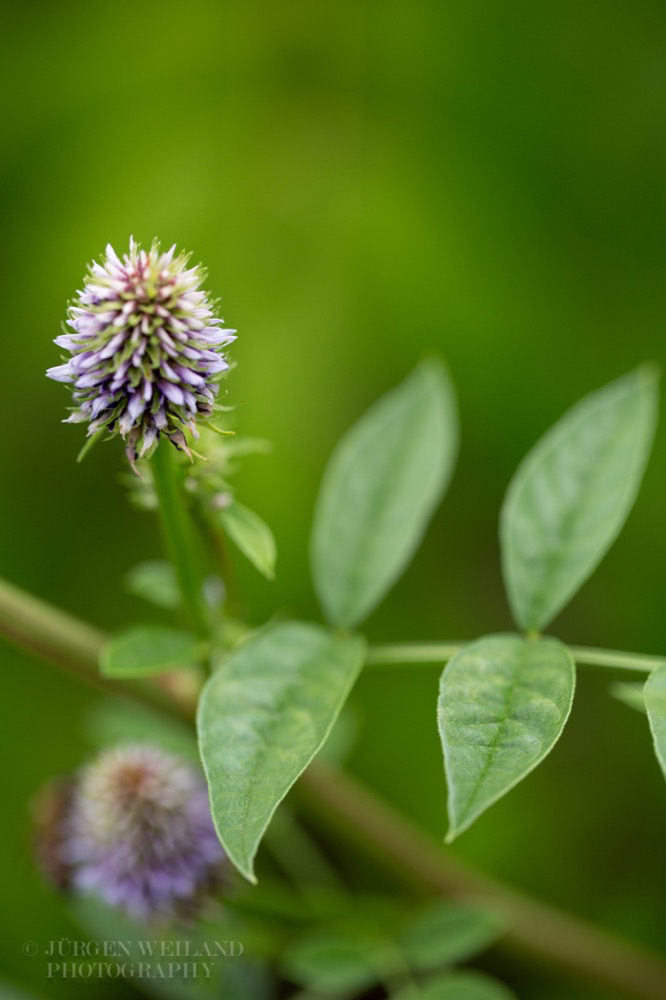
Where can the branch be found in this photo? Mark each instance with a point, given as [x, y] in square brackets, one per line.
[423, 653]
[541, 930]
[59, 638]
[535, 927]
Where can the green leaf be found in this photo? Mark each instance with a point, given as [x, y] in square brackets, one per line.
[503, 703]
[445, 933]
[252, 536]
[336, 960]
[262, 717]
[155, 582]
[655, 702]
[379, 491]
[148, 649]
[459, 986]
[572, 494]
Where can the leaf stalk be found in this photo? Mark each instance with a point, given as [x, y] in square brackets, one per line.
[425, 653]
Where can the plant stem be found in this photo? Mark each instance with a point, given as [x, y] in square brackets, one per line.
[225, 564]
[641, 662]
[400, 654]
[178, 537]
[544, 931]
[363, 817]
[423, 653]
[47, 631]
[59, 638]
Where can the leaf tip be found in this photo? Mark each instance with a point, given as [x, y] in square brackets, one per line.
[649, 371]
[432, 361]
[433, 366]
[245, 867]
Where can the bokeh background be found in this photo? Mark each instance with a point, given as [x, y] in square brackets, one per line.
[366, 182]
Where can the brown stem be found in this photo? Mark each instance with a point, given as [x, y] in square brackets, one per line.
[549, 934]
[536, 928]
[59, 638]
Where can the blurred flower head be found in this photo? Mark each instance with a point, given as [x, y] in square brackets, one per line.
[146, 349]
[137, 833]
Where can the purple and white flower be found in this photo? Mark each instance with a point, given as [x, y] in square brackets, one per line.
[139, 833]
[146, 349]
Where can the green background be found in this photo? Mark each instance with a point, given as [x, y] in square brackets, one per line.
[365, 182]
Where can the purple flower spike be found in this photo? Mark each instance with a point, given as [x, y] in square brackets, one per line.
[139, 834]
[146, 349]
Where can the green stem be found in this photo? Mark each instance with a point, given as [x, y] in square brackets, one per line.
[360, 815]
[640, 662]
[220, 547]
[400, 654]
[177, 532]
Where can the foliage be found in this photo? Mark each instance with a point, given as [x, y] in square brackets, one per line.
[273, 694]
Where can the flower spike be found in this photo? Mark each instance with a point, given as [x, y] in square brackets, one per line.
[147, 349]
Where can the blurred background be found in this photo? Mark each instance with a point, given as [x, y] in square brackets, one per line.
[366, 182]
